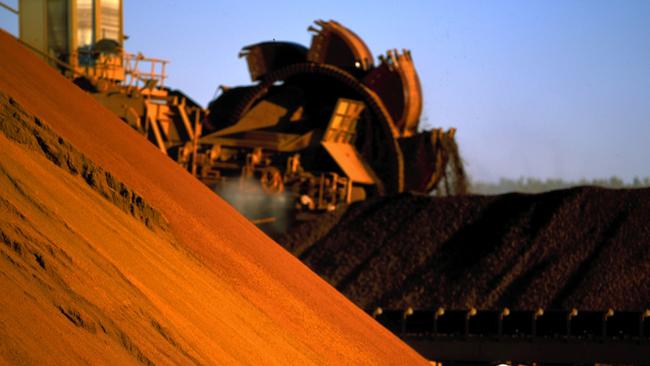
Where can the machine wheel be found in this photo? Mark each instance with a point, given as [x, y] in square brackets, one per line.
[271, 180]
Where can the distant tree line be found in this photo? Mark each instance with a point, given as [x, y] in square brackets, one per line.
[535, 185]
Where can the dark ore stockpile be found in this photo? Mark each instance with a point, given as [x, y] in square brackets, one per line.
[583, 247]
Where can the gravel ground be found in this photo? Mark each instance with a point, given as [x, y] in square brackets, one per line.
[583, 247]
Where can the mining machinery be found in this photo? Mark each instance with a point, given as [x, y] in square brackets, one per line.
[318, 127]
[326, 125]
[84, 40]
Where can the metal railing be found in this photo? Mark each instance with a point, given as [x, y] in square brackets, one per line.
[142, 72]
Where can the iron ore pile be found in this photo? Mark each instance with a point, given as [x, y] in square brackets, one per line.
[110, 254]
[584, 247]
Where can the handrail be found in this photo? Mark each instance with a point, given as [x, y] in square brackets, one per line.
[133, 68]
[130, 64]
[15, 11]
[50, 58]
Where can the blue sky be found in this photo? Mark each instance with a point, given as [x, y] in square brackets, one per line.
[546, 89]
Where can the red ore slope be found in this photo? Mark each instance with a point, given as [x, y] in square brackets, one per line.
[112, 254]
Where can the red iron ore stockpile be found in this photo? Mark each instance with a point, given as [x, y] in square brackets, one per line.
[585, 247]
[110, 253]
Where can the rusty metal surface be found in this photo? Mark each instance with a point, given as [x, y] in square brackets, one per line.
[281, 142]
[397, 84]
[264, 114]
[350, 161]
[336, 45]
[265, 57]
[428, 154]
